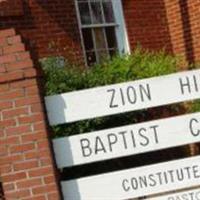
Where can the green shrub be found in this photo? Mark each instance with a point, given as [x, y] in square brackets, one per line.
[140, 64]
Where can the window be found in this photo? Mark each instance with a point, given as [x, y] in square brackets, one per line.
[102, 29]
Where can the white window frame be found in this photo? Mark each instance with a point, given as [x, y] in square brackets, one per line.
[121, 31]
[120, 28]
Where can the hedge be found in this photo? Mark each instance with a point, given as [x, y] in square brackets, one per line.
[138, 65]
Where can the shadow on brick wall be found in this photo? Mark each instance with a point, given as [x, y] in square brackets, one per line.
[147, 24]
[49, 28]
[187, 32]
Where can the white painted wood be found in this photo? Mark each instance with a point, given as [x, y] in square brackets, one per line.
[146, 93]
[193, 194]
[138, 138]
[110, 186]
[121, 31]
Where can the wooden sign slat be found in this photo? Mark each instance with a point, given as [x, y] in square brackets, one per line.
[132, 183]
[192, 194]
[127, 140]
[123, 97]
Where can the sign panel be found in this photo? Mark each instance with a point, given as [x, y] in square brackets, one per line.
[127, 140]
[123, 97]
[137, 182]
[193, 194]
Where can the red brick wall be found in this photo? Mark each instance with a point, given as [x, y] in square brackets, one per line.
[26, 165]
[173, 25]
[183, 18]
[147, 24]
[51, 28]
[11, 8]
[48, 27]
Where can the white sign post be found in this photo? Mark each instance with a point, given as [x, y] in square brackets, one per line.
[193, 194]
[142, 181]
[123, 97]
[127, 140]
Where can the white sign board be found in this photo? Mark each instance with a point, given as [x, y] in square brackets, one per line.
[132, 183]
[193, 194]
[127, 140]
[123, 97]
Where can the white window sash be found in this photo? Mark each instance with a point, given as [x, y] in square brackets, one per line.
[121, 31]
[99, 25]
[78, 17]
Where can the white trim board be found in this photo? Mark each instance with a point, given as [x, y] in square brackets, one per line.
[127, 140]
[123, 97]
[137, 182]
[192, 194]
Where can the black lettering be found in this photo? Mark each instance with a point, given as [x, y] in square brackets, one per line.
[171, 175]
[146, 139]
[99, 145]
[155, 133]
[195, 83]
[112, 105]
[132, 98]
[125, 186]
[112, 139]
[134, 183]
[188, 172]
[151, 178]
[165, 176]
[160, 178]
[178, 198]
[179, 174]
[143, 181]
[133, 138]
[191, 194]
[185, 85]
[184, 197]
[197, 133]
[197, 195]
[196, 171]
[124, 138]
[145, 92]
[122, 96]
[85, 146]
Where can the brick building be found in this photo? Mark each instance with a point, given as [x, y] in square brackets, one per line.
[60, 27]
[83, 31]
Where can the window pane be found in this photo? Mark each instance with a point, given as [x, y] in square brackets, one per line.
[99, 38]
[112, 52]
[84, 13]
[111, 37]
[102, 55]
[87, 37]
[108, 12]
[91, 58]
[96, 13]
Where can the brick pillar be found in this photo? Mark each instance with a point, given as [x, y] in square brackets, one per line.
[26, 164]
